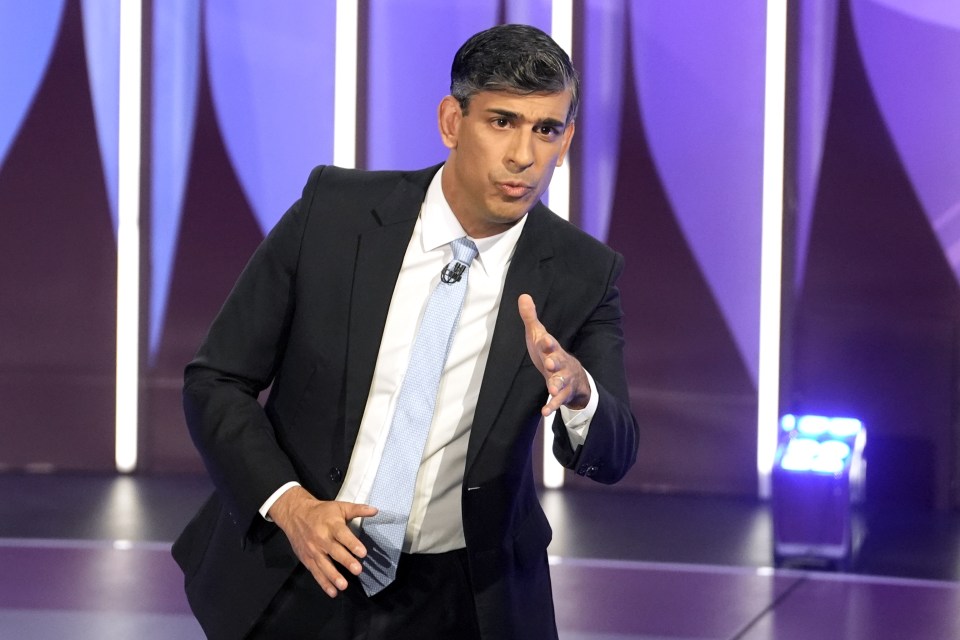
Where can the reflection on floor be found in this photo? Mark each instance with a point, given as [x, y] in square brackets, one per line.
[88, 557]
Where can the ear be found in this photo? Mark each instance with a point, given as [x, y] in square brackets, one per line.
[567, 137]
[449, 116]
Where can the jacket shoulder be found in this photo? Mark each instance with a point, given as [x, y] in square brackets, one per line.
[360, 186]
[574, 243]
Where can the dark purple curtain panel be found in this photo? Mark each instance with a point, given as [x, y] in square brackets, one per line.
[671, 177]
[242, 109]
[877, 308]
[57, 248]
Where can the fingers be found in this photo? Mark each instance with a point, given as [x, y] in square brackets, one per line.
[540, 344]
[327, 557]
[317, 561]
[345, 535]
[346, 546]
[556, 384]
[327, 576]
[559, 390]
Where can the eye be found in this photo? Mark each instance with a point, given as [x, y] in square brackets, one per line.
[501, 123]
[548, 131]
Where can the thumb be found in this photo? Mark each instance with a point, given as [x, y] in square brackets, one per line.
[353, 510]
[528, 311]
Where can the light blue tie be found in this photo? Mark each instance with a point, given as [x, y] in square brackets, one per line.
[392, 492]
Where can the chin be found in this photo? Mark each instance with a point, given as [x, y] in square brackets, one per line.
[509, 217]
[512, 210]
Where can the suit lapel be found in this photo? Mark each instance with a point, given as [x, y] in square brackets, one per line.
[531, 271]
[380, 251]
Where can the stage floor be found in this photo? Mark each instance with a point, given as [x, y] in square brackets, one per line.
[87, 556]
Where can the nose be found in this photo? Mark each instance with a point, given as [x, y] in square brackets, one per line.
[519, 155]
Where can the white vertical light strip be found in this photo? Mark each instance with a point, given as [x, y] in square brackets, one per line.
[561, 25]
[553, 472]
[560, 190]
[128, 237]
[345, 86]
[771, 253]
[561, 29]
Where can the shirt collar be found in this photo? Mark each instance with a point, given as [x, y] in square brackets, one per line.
[439, 227]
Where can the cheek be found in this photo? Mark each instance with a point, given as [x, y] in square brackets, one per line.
[550, 156]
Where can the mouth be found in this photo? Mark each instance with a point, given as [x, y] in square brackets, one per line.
[513, 189]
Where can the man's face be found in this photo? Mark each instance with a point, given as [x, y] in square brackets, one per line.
[502, 155]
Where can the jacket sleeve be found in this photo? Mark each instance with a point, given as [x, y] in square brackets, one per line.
[610, 449]
[238, 360]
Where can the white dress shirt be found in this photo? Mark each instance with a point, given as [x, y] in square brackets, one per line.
[435, 523]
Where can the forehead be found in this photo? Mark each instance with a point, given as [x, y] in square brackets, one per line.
[533, 107]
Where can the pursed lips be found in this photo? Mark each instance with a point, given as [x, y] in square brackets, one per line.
[514, 189]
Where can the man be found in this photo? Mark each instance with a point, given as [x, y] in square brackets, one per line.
[287, 547]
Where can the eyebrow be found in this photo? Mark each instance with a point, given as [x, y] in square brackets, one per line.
[514, 117]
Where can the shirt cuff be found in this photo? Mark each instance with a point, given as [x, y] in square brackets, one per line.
[265, 509]
[577, 421]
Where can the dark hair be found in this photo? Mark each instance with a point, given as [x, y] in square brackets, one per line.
[516, 58]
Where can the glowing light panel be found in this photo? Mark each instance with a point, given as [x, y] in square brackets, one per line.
[345, 86]
[128, 238]
[771, 252]
[562, 32]
[819, 444]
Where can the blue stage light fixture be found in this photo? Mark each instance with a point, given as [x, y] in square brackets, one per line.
[819, 472]
[813, 426]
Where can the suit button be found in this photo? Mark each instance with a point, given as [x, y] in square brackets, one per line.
[589, 470]
[335, 475]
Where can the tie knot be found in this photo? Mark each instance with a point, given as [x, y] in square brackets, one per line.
[464, 250]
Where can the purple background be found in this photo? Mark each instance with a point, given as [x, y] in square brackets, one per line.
[666, 167]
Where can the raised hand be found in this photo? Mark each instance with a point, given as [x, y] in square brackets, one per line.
[565, 378]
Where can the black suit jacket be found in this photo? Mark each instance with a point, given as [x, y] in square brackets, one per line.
[307, 315]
